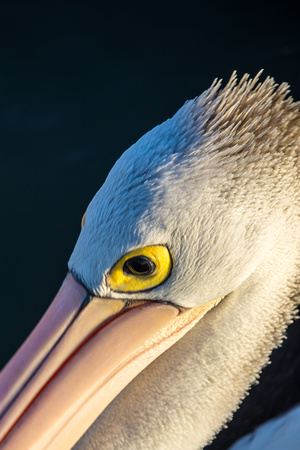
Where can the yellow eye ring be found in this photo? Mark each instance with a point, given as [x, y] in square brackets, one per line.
[141, 269]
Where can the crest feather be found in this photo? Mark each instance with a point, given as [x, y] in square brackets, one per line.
[251, 114]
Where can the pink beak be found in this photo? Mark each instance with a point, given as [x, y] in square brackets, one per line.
[82, 353]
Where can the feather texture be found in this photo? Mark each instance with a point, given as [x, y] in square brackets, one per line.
[219, 185]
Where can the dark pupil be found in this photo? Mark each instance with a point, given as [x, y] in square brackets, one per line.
[139, 265]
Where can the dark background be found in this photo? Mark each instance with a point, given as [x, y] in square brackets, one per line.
[80, 83]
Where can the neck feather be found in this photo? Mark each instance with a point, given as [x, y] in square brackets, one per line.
[185, 397]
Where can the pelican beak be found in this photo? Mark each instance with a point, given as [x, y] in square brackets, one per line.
[81, 354]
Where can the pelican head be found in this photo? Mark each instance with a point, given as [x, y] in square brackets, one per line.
[193, 238]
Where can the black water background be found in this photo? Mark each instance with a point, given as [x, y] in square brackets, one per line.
[80, 83]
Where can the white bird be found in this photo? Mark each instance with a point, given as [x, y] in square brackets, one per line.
[194, 237]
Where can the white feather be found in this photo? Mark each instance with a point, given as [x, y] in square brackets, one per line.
[219, 184]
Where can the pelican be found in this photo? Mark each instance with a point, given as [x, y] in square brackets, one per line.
[183, 280]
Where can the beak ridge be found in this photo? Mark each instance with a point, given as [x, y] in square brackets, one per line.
[30, 355]
[70, 355]
[77, 360]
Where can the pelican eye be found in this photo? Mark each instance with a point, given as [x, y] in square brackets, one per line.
[139, 266]
[140, 269]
